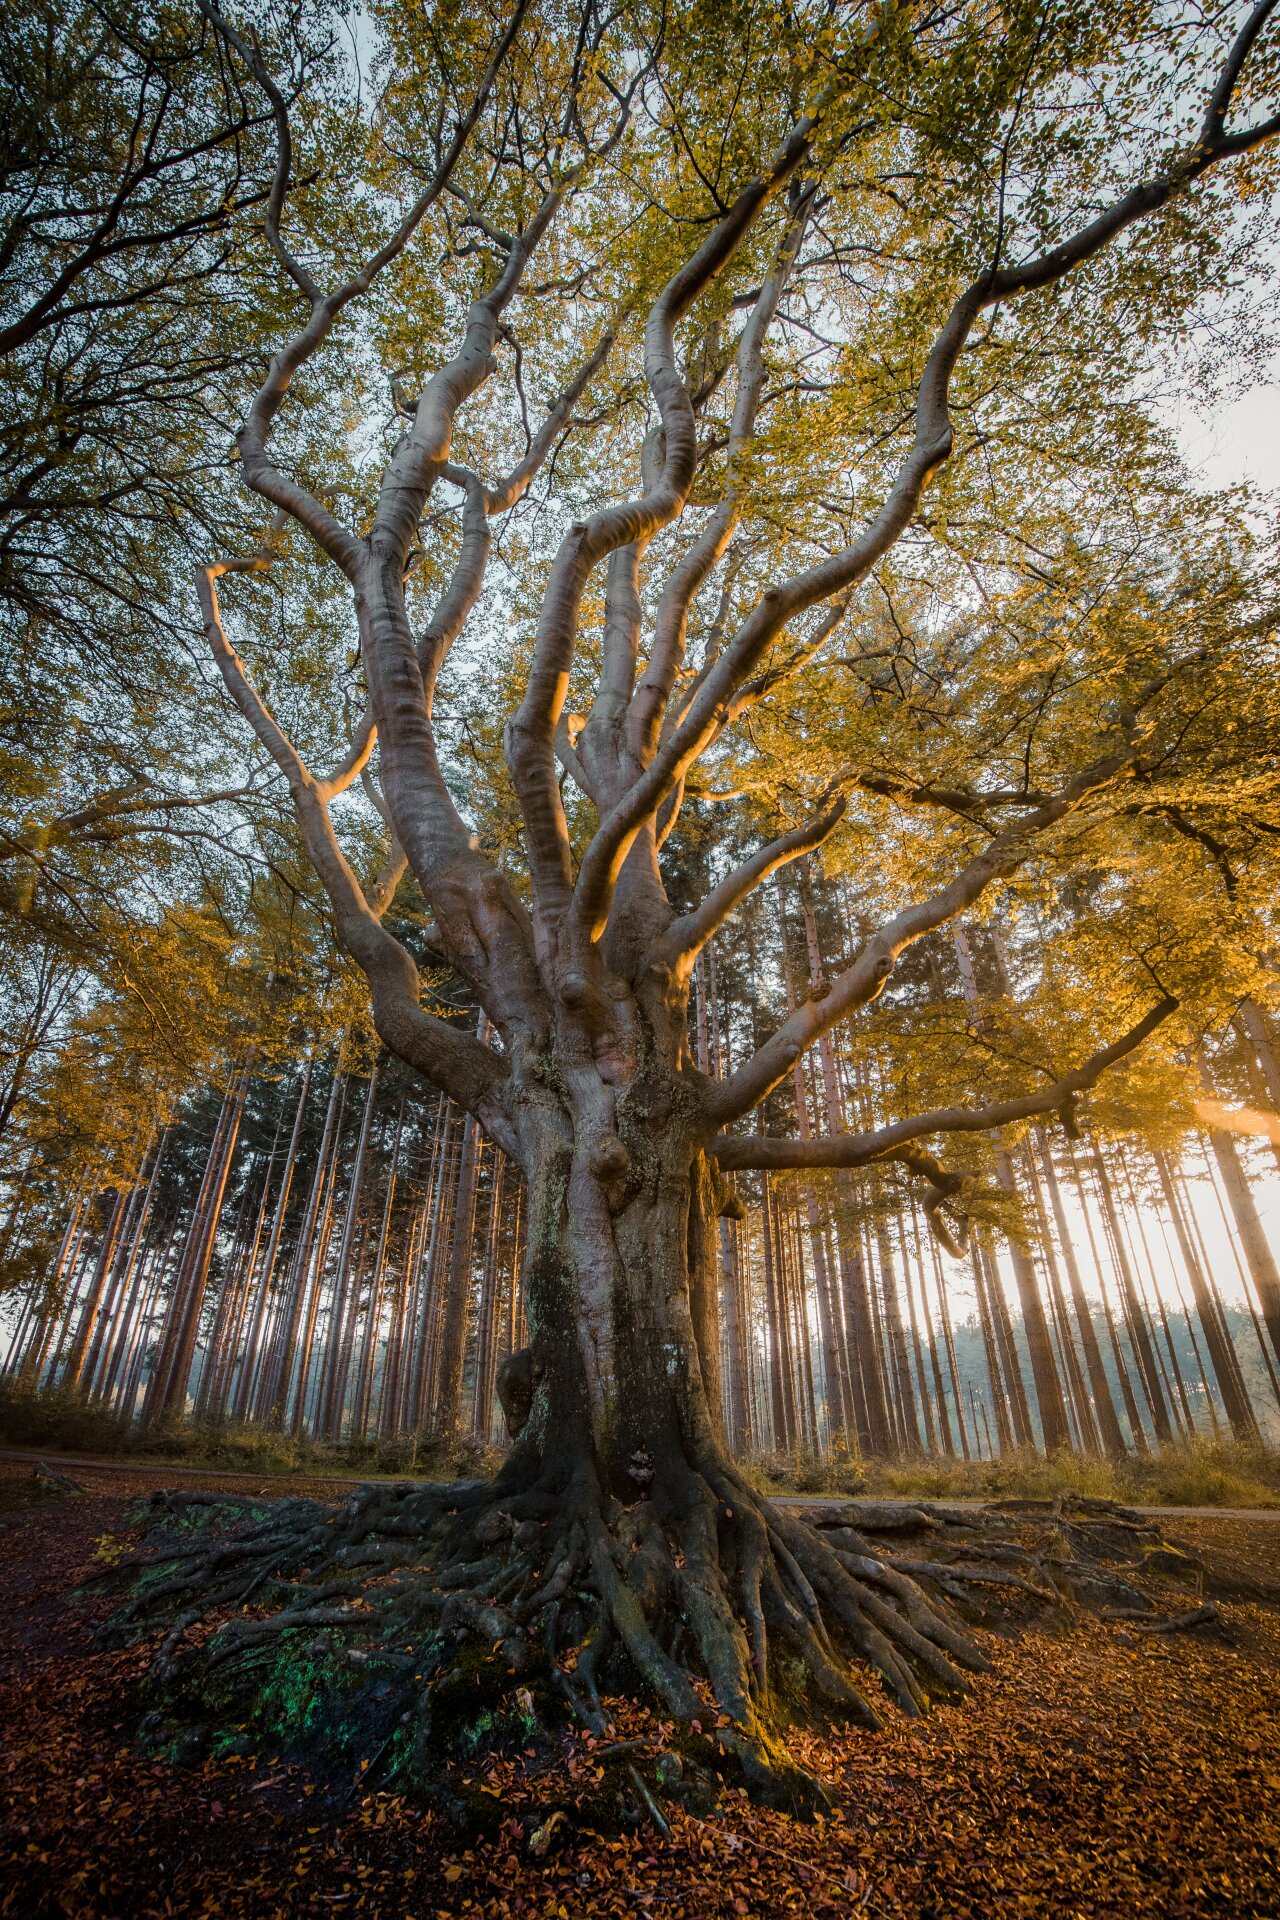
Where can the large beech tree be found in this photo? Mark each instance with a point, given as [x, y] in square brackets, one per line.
[779, 268]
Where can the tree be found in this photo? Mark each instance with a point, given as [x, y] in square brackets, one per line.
[892, 203]
[131, 163]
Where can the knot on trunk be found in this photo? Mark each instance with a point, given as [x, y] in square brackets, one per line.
[610, 1159]
[610, 1163]
[575, 990]
[517, 1382]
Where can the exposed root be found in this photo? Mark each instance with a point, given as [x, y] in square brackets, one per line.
[421, 1612]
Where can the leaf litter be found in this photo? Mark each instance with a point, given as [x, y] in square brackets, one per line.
[1095, 1772]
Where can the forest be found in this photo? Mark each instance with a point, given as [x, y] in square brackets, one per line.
[639, 837]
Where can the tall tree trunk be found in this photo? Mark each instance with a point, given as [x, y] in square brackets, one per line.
[74, 1367]
[1222, 1353]
[487, 1316]
[897, 1345]
[948, 1334]
[168, 1389]
[457, 1298]
[931, 1334]
[279, 1371]
[257, 1358]
[1257, 1032]
[330, 1415]
[995, 1371]
[429, 1289]
[1257, 1248]
[779, 1353]
[1135, 1318]
[1099, 1421]
[1044, 1371]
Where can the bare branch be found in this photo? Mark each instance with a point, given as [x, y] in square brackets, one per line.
[468, 1071]
[861, 1149]
[685, 938]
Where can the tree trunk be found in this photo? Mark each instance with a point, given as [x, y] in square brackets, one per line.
[1222, 1353]
[279, 1371]
[1044, 1371]
[1135, 1318]
[453, 1335]
[1257, 1248]
[1103, 1407]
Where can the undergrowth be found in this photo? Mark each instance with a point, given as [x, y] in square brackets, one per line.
[63, 1422]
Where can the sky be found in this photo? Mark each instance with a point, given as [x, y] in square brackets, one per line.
[1240, 442]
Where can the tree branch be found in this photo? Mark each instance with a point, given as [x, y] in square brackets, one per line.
[685, 938]
[734, 1151]
[531, 734]
[468, 1071]
[261, 474]
[710, 709]
[865, 979]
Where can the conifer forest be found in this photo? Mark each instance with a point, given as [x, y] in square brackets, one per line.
[639, 952]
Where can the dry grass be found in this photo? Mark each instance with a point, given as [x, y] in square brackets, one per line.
[1198, 1473]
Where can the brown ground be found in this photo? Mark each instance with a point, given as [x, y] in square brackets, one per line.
[1095, 1772]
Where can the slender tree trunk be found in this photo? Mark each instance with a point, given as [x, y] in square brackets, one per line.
[1135, 1319]
[931, 1334]
[487, 1317]
[779, 1359]
[1257, 1032]
[168, 1391]
[330, 1415]
[280, 1371]
[1257, 1249]
[1100, 1429]
[425, 1342]
[74, 1367]
[1222, 1353]
[457, 1299]
[948, 1334]
[986, 1323]
[257, 1353]
[1044, 1372]
[312, 1352]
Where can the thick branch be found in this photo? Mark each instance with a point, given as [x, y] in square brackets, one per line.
[483, 504]
[530, 742]
[861, 1149]
[667, 652]
[469, 1072]
[865, 978]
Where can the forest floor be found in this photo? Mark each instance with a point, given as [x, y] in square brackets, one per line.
[1094, 1772]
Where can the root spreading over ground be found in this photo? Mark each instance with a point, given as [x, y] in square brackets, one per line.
[390, 1637]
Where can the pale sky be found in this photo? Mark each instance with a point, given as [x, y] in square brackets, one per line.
[1240, 442]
